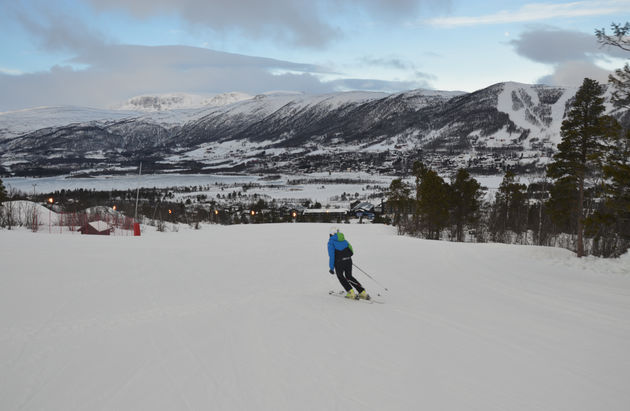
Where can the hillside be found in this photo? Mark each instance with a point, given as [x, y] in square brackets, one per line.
[238, 318]
[504, 125]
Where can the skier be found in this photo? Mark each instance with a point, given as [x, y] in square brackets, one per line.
[340, 260]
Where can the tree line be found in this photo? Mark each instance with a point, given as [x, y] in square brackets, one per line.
[585, 193]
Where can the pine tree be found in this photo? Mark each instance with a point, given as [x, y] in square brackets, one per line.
[562, 204]
[620, 80]
[398, 199]
[580, 152]
[617, 172]
[3, 193]
[418, 171]
[465, 202]
[433, 203]
[510, 208]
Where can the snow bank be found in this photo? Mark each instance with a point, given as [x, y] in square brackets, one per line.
[238, 318]
[29, 213]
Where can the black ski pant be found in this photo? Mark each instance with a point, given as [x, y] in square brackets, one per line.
[343, 269]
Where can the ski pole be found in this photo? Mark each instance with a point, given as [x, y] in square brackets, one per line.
[369, 276]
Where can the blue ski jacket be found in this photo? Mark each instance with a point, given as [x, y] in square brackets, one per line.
[339, 246]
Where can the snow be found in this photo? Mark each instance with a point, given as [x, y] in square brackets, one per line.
[173, 109]
[16, 123]
[518, 117]
[214, 184]
[99, 225]
[238, 318]
[28, 211]
[175, 101]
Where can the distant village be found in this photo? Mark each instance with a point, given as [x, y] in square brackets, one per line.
[482, 160]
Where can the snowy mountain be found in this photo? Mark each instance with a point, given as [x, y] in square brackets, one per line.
[178, 101]
[507, 124]
[187, 320]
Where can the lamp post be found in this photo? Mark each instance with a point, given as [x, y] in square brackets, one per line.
[51, 201]
[34, 216]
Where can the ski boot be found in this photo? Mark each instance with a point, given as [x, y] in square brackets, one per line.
[364, 295]
[351, 294]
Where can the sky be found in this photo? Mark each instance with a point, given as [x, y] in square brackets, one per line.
[100, 53]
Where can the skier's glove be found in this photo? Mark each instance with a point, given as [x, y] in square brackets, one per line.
[331, 271]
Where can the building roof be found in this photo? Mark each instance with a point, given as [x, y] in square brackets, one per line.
[99, 225]
[326, 211]
[363, 206]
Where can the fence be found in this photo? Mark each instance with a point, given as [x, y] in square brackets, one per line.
[97, 220]
[94, 222]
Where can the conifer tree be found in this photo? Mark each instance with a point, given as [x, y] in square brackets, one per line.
[465, 202]
[621, 84]
[510, 205]
[581, 152]
[617, 173]
[620, 80]
[562, 204]
[398, 199]
[3, 193]
[433, 203]
[418, 171]
[619, 37]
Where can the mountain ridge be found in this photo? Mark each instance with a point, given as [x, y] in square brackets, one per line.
[504, 125]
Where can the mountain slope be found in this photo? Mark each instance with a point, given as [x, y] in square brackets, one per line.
[507, 124]
[187, 320]
[176, 101]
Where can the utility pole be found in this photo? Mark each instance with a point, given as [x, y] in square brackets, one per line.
[135, 216]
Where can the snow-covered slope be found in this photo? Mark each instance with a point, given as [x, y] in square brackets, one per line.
[178, 101]
[238, 318]
[15, 123]
[506, 125]
[539, 108]
[30, 213]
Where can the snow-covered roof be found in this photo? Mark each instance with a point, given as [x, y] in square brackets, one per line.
[363, 206]
[326, 210]
[99, 225]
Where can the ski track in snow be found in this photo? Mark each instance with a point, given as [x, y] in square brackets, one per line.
[238, 318]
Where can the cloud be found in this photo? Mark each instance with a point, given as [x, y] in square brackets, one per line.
[537, 12]
[56, 32]
[117, 73]
[549, 45]
[13, 72]
[387, 62]
[99, 73]
[407, 67]
[572, 55]
[377, 85]
[307, 24]
[572, 73]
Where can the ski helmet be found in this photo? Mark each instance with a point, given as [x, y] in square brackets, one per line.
[333, 231]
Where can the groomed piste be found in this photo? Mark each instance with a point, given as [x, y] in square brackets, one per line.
[239, 318]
